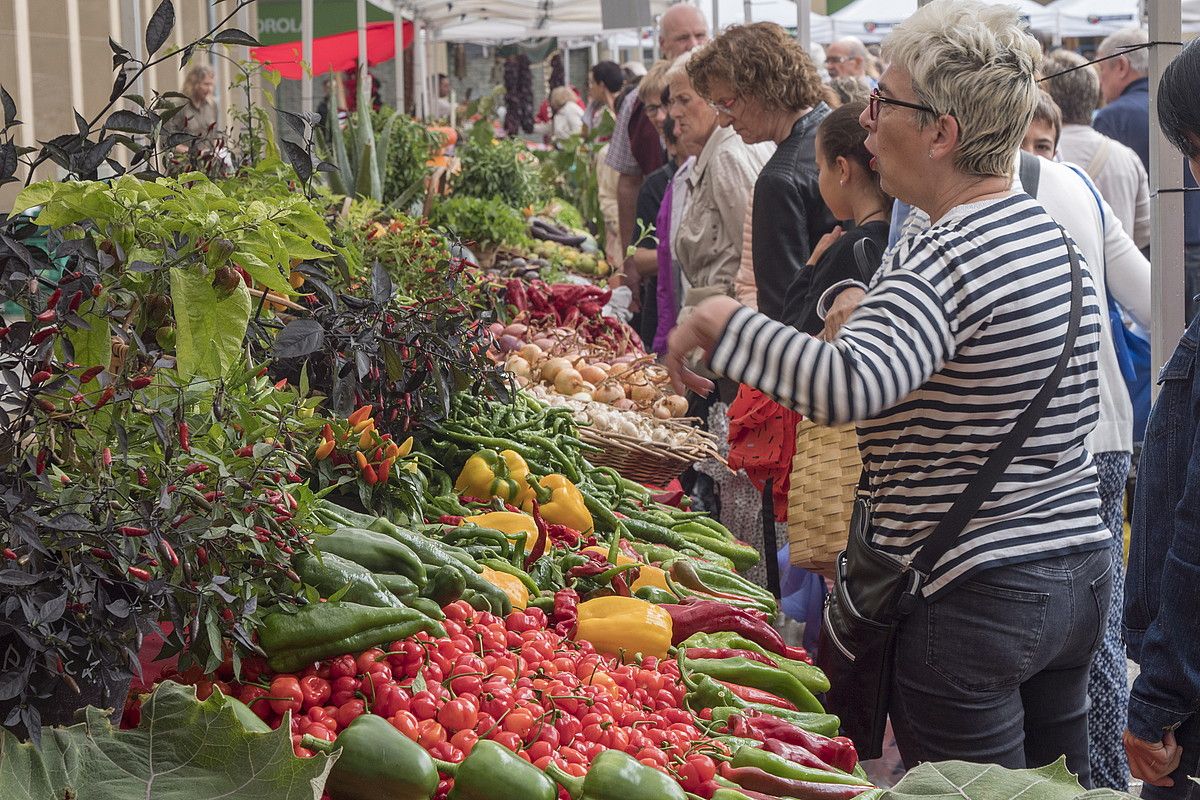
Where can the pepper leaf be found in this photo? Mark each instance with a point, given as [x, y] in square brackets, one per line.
[209, 328]
[181, 749]
[966, 781]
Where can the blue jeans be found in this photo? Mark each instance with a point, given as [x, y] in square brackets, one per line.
[996, 671]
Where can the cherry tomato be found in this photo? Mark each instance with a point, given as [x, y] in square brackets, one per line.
[539, 749]
[368, 659]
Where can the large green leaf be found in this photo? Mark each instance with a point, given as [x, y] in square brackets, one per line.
[209, 329]
[182, 750]
[965, 781]
[93, 345]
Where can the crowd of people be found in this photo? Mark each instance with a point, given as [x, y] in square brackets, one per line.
[885, 238]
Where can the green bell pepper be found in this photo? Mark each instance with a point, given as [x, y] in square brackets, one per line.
[376, 761]
[614, 775]
[446, 584]
[323, 630]
[374, 551]
[330, 573]
[493, 772]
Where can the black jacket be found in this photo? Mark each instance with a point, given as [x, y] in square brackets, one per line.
[789, 215]
[835, 265]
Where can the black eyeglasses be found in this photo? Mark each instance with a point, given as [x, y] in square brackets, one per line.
[877, 98]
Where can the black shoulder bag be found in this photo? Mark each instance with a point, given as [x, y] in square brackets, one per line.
[874, 591]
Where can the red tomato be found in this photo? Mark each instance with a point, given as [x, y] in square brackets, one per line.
[286, 694]
[518, 722]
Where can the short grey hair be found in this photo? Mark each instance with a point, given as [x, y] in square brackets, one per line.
[650, 88]
[1077, 93]
[679, 65]
[1139, 60]
[560, 96]
[977, 63]
[856, 47]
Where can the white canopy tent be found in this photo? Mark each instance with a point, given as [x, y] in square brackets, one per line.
[1094, 17]
[872, 20]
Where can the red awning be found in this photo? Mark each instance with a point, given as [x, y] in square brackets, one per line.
[337, 52]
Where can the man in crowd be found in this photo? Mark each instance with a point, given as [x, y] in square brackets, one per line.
[441, 106]
[848, 57]
[682, 28]
[1125, 88]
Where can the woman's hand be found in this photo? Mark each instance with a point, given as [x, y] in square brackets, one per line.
[1153, 762]
[697, 331]
[826, 242]
[843, 306]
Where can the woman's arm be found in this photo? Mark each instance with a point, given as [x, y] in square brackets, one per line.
[896, 340]
[1126, 270]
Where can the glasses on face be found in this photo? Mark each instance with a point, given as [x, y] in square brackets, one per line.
[877, 98]
[834, 59]
[654, 109]
[723, 106]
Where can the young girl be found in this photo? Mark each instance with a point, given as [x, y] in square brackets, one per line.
[851, 190]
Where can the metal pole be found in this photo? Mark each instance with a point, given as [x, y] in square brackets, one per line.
[420, 83]
[398, 37]
[566, 59]
[716, 17]
[1166, 220]
[747, 11]
[306, 55]
[640, 57]
[361, 11]
[218, 65]
[804, 23]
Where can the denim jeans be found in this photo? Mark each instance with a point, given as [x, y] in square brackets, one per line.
[1187, 736]
[996, 671]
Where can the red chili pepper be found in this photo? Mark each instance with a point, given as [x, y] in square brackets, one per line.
[101, 554]
[46, 315]
[728, 652]
[316, 690]
[105, 397]
[751, 695]
[142, 478]
[40, 467]
[133, 530]
[450, 519]
[281, 385]
[96, 290]
[286, 694]
[193, 469]
[106, 457]
[168, 552]
[53, 299]
[75, 301]
[89, 374]
[41, 376]
[368, 474]
[46, 405]
[139, 573]
[10, 554]
[183, 438]
[202, 556]
[141, 382]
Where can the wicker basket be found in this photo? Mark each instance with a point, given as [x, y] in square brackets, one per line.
[649, 463]
[825, 472]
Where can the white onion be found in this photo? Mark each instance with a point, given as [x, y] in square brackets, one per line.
[518, 366]
[554, 366]
[568, 381]
[677, 404]
[592, 374]
[609, 393]
[530, 352]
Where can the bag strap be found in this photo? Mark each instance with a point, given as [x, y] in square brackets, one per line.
[1100, 159]
[1031, 173]
[867, 262]
[955, 520]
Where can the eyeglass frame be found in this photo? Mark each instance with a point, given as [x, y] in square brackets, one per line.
[875, 99]
[725, 108]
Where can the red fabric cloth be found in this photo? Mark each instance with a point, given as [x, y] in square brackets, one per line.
[762, 441]
[644, 141]
[337, 52]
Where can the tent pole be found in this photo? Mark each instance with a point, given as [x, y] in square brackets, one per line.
[419, 71]
[363, 75]
[398, 33]
[747, 11]
[1166, 219]
[804, 23]
[306, 55]
[716, 17]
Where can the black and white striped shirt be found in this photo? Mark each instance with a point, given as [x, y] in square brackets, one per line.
[961, 327]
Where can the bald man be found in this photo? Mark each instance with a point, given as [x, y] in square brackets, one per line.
[680, 29]
[847, 57]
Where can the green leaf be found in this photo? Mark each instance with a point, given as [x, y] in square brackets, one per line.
[37, 194]
[93, 346]
[964, 781]
[182, 750]
[209, 330]
[259, 269]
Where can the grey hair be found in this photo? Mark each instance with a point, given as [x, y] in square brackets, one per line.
[1077, 93]
[679, 65]
[1139, 60]
[977, 63]
[560, 96]
[856, 47]
[650, 88]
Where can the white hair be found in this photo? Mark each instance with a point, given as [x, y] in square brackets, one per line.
[679, 66]
[855, 47]
[1139, 60]
[977, 63]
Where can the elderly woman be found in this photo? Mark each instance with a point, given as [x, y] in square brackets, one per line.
[960, 329]
[199, 116]
[567, 116]
[766, 88]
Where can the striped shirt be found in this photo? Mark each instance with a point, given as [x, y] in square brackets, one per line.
[959, 330]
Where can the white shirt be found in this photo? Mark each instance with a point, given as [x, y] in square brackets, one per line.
[567, 120]
[1118, 174]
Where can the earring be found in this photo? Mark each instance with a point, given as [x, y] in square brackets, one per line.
[931, 155]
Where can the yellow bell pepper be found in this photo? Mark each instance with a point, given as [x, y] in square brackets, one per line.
[560, 502]
[511, 523]
[489, 474]
[624, 625]
[509, 584]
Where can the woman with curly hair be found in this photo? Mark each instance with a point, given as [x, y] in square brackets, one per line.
[763, 84]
